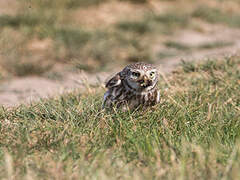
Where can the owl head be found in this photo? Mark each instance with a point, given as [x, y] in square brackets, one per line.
[141, 76]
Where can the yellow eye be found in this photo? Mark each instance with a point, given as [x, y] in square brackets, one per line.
[152, 74]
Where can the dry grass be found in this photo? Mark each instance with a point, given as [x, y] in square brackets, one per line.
[192, 134]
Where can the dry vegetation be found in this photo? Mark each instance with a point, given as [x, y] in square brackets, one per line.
[192, 134]
[97, 35]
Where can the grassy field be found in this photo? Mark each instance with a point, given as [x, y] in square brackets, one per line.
[192, 134]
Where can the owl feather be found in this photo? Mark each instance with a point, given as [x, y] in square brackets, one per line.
[134, 86]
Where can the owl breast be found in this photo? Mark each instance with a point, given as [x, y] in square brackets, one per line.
[123, 97]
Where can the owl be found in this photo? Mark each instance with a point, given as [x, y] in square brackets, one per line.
[134, 86]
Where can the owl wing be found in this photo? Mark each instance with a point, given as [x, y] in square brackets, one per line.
[114, 81]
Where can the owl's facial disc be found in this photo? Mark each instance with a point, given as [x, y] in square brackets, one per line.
[141, 80]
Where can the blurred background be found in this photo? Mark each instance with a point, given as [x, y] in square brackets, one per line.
[51, 46]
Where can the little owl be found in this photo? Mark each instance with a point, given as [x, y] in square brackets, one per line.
[134, 86]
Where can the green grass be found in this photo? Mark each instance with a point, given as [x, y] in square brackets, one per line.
[20, 20]
[27, 68]
[214, 15]
[136, 1]
[176, 45]
[192, 134]
[67, 41]
[71, 38]
[173, 19]
[140, 27]
[185, 47]
[61, 4]
[166, 23]
[216, 44]
[166, 54]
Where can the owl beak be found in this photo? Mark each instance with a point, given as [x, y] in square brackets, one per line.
[144, 81]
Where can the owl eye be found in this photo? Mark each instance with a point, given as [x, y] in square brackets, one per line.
[136, 74]
[152, 74]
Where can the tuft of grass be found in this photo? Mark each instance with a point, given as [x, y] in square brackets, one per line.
[139, 27]
[25, 67]
[70, 37]
[217, 44]
[214, 15]
[168, 22]
[82, 3]
[185, 47]
[166, 54]
[139, 57]
[62, 4]
[188, 66]
[173, 19]
[176, 45]
[17, 60]
[136, 1]
[44, 27]
[192, 134]
[17, 21]
[29, 68]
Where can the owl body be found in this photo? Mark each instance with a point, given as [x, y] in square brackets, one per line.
[134, 86]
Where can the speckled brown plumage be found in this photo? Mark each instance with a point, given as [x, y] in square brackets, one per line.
[134, 86]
